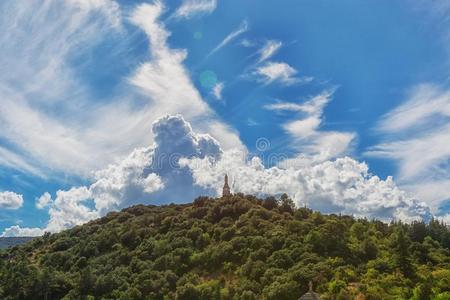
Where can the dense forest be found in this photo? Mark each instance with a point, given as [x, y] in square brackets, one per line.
[236, 247]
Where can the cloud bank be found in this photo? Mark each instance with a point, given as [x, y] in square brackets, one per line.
[182, 164]
[16, 230]
[338, 186]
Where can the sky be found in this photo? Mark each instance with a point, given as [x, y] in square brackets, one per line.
[344, 105]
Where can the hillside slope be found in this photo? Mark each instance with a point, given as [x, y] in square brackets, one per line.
[238, 247]
[6, 242]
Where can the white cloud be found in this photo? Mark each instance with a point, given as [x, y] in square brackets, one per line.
[247, 43]
[426, 103]
[166, 82]
[145, 175]
[108, 7]
[416, 135]
[243, 27]
[69, 209]
[313, 106]
[269, 49]
[434, 192]
[183, 164]
[11, 160]
[217, 90]
[444, 218]
[342, 185]
[251, 122]
[307, 136]
[43, 201]
[10, 200]
[52, 117]
[304, 128]
[38, 39]
[284, 106]
[278, 72]
[16, 231]
[191, 8]
[125, 181]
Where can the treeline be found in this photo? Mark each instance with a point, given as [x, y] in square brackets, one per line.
[239, 247]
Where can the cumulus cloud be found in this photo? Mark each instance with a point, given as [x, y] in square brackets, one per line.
[124, 180]
[278, 72]
[43, 201]
[145, 175]
[191, 8]
[416, 136]
[70, 209]
[342, 185]
[10, 200]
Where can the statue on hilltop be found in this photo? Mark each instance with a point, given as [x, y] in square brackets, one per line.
[226, 188]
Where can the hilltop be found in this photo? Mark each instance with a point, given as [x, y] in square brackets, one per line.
[236, 247]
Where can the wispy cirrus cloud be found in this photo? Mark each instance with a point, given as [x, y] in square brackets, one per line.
[217, 90]
[12, 160]
[278, 72]
[109, 8]
[50, 114]
[191, 8]
[243, 27]
[269, 49]
[308, 138]
[416, 136]
[166, 81]
[38, 44]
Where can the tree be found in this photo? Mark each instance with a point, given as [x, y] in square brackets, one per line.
[86, 282]
[400, 244]
[286, 204]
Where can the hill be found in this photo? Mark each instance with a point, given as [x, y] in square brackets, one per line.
[6, 242]
[237, 247]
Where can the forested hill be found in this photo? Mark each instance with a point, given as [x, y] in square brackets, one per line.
[238, 247]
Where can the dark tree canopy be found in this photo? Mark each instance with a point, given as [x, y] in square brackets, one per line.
[238, 247]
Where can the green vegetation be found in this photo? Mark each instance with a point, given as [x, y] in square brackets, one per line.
[238, 247]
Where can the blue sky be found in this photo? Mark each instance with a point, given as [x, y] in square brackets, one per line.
[104, 104]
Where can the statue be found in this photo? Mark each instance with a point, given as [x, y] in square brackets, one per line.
[226, 188]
